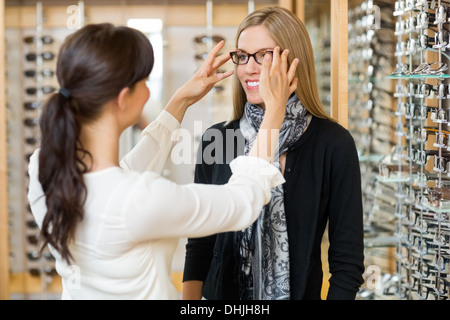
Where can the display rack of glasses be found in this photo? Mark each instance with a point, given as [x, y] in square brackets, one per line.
[371, 43]
[31, 61]
[418, 166]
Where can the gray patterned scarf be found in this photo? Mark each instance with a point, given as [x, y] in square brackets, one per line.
[263, 248]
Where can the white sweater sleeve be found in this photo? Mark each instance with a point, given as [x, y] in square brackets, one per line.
[154, 147]
[160, 208]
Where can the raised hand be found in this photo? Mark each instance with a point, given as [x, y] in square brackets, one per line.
[206, 77]
[200, 83]
[277, 82]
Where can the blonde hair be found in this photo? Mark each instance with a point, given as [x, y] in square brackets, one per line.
[289, 32]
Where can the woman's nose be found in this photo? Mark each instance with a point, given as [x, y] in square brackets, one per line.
[252, 66]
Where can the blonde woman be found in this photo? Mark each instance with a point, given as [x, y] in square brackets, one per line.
[279, 256]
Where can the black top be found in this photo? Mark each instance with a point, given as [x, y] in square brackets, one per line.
[323, 184]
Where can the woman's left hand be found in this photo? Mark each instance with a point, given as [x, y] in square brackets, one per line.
[277, 81]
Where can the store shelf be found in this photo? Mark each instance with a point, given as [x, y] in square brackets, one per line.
[418, 77]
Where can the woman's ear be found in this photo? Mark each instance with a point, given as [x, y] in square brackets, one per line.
[122, 98]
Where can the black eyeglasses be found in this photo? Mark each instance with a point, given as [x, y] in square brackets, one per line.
[48, 270]
[44, 89]
[32, 39]
[32, 105]
[203, 39]
[47, 56]
[241, 57]
[31, 122]
[45, 73]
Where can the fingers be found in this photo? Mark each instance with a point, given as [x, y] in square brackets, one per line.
[292, 70]
[219, 61]
[284, 58]
[214, 52]
[276, 57]
[214, 61]
[212, 80]
[221, 76]
[280, 62]
[293, 86]
[266, 66]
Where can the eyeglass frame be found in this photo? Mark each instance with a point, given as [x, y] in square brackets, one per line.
[248, 55]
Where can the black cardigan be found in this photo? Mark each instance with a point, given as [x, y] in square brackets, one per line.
[323, 184]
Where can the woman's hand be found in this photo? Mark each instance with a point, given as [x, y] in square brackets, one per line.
[276, 82]
[201, 82]
[206, 77]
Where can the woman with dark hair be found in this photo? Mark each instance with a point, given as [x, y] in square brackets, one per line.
[112, 226]
[279, 256]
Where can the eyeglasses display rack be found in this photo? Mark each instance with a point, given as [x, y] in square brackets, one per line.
[419, 166]
[30, 79]
[371, 43]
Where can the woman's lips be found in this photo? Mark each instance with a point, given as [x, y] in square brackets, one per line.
[252, 84]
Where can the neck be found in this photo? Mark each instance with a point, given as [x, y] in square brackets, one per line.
[101, 140]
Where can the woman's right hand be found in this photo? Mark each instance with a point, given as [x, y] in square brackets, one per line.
[200, 83]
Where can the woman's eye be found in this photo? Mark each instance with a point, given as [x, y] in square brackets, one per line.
[242, 57]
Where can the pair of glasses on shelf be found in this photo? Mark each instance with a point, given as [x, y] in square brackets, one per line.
[433, 291]
[403, 6]
[406, 48]
[44, 39]
[433, 68]
[31, 106]
[415, 23]
[423, 90]
[46, 56]
[424, 42]
[414, 111]
[387, 171]
[205, 39]
[36, 255]
[440, 91]
[441, 137]
[441, 164]
[31, 122]
[31, 141]
[426, 271]
[438, 196]
[401, 70]
[439, 115]
[44, 90]
[420, 157]
[46, 270]
[426, 5]
[426, 179]
[442, 15]
[47, 73]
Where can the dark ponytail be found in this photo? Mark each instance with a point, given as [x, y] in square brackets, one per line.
[61, 172]
[94, 65]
